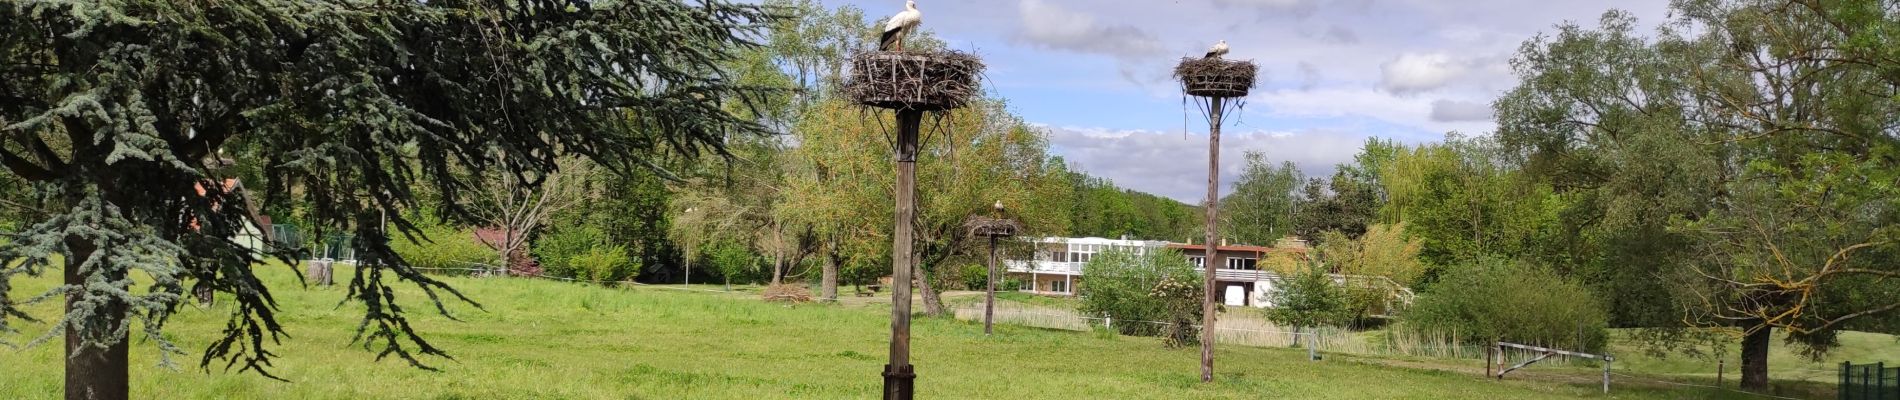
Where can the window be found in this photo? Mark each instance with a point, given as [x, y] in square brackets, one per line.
[1082, 253]
[1029, 285]
[1243, 263]
[1198, 261]
[1061, 257]
[1059, 286]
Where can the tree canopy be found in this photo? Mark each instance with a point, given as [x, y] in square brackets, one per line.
[116, 112]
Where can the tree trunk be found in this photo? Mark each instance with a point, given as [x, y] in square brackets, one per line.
[933, 302]
[1755, 357]
[828, 284]
[778, 256]
[94, 373]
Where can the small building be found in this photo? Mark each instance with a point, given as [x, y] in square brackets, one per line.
[1241, 278]
[1056, 266]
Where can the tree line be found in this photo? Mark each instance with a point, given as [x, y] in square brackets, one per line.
[1728, 176]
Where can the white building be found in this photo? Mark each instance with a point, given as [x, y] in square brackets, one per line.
[1057, 264]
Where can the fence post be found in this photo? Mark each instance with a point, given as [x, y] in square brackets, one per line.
[1880, 380]
[1846, 379]
[1108, 322]
[1500, 347]
[1866, 383]
[1606, 373]
[1312, 344]
[1489, 352]
[1720, 367]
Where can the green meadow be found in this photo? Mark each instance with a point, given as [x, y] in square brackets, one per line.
[551, 340]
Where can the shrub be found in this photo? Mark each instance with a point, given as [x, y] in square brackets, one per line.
[1122, 285]
[1496, 299]
[1181, 301]
[976, 277]
[604, 264]
[1309, 298]
[1009, 284]
[446, 250]
[559, 248]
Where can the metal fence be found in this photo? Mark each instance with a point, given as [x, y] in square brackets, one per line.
[1869, 382]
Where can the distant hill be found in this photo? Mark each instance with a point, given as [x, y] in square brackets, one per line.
[1105, 210]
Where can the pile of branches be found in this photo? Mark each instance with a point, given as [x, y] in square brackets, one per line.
[786, 293]
[931, 81]
[1215, 77]
[982, 226]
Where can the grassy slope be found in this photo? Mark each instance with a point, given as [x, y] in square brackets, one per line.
[541, 339]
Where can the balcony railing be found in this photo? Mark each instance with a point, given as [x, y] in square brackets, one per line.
[1251, 275]
[1047, 267]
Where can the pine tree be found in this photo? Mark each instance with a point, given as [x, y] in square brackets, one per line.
[114, 112]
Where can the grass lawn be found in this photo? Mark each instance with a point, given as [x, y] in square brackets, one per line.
[542, 339]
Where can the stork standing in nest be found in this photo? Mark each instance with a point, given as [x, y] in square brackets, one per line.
[900, 25]
[1219, 49]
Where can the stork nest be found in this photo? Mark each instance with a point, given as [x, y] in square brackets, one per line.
[1214, 77]
[932, 81]
[986, 226]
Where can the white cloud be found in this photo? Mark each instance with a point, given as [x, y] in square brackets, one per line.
[1420, 72]
[1459, 111]
[1175, 165]
[1054, 27]
[1374, 104]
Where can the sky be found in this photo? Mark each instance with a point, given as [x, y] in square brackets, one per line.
[1095, 74]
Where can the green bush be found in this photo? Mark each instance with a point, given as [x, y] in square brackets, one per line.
[446, 249]
[1309, 298]
[1009, 284]
[1121, 285]
[1496, 299]
[557, 250]
[604, 264]
[976, 277]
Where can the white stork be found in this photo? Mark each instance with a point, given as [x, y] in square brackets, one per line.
[1219, 49]
[899, 26]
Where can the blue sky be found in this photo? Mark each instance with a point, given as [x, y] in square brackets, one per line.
[1095, 74]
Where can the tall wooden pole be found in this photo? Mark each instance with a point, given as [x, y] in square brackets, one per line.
[899, 376]
[1213, 217]
[989, 295]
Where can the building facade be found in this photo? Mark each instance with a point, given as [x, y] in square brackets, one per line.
[1056, 266]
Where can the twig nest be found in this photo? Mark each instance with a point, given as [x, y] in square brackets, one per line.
[932, 81]
[1215, 77]
[986, 226]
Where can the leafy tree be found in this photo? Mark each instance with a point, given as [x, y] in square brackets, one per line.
[1309, 299]
[1499, 299]
[1260, 210]
[1384, 251]
[1603, 119]
[1464, 201]
[1341, 204]
[1378, 266]
[1742, 153]
[557, 250]
[992, 157]
[114, 112]
[517, 209]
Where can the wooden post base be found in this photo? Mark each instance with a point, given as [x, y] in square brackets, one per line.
[899, 382]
